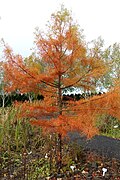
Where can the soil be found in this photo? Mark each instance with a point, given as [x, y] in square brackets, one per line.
[100, 152]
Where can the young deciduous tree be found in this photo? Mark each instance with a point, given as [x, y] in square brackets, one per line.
[62, 53]
[111, 56]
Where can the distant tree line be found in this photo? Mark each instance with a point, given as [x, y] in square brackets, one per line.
[11, 98]
[76, 97]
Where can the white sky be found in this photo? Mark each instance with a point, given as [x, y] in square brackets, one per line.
[20, 17]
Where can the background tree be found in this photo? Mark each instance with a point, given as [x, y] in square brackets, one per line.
[3, 93]
[111, 56]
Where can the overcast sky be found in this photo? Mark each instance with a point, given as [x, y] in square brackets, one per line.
[20, 17]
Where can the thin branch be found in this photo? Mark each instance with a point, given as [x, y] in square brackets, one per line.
[75, 81]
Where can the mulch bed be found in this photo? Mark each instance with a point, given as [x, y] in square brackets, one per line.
[89, 168]
[93, 169]
[99, 152]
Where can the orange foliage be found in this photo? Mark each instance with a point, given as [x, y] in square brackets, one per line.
[17, 75]
[65, 64]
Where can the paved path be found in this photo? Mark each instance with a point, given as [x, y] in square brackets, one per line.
[106, 146]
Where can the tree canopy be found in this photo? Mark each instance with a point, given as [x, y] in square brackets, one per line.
[62, 62]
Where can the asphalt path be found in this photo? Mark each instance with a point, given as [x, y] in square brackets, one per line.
[105, 146]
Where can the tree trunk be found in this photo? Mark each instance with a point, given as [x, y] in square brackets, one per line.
[59, 155]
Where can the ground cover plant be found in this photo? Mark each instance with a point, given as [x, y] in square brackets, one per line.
[36, 129]
[27, 154]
